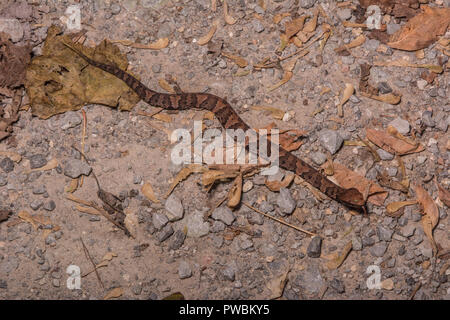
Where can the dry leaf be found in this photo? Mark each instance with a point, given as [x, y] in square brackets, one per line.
[443, 193]
[166, 86]
[157, 45]
[276, 185]
[348, 91]
[286, 77]
[114, 293]
[294, 26]
[430, 217]
[163, 117]
[25, 216]
[183, 175]
[12, 155]
[241, 62]
[52, 164]
[387, 284]
[311, 25]
[147, 191]
[174, 296]
[395, 206]
[228, 18]
[279, 16]
[88, 210]
[72, 187]
[403, 63]
[234, 195]
[388, 98]
[422, 30]
[391, 144]
[276, 113]
[353, 44]
[347, 179]
[337, 262]
[207, 37]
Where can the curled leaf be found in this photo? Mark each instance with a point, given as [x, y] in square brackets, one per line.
[234, 195]
[430, 214]
[395, 206]
[147, 191]
[294, 26]
[114, 293]
[337, 262]
[348, 91]
[241, 62]
[443, 193]
[183, 175]
[228, 18]
[286, 77]
[391, 144]
[207, 37]
[276, 185]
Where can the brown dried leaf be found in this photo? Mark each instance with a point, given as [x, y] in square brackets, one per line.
[72, 187]
[183, 175]
[276, 185]
[228, 18]
[403, 63]
[241, 62]
[294, 26]
[114, 293]
[276, 113]
[388, 98]
[430, 217]
[13, 63]
[234, 195]
[395, 206]
[391, 144]
[147, 191]
[52, 164]
[311, 25]
[279, 16]
[348, 91]
[277, 285]
[207, 37]
[157, 45]
[174, 296]
[443, 193]
[163, 117]
[166, 86]
[353, 44]
[12, 155]
[286, 77]
[337, 262]
[422, 30]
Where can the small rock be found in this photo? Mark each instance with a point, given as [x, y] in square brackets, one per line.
[56, 283]
[184, 270]
[330, 140]
[37, 161]
[257, 26]
[3, 180]
[427, 119]
[159, 220]
[36, 204]
[318, 158]
[248, 185]
[379, 249]
[401, 125]
[372, 44]
[174, 208]
[177, 240]
[421, 84]
[71, 120]
[230, 271]
[115, 8]
[7, 165]
[165, 233]
[285, 202]
[306, 4]
[75, 168]
[315, 247]
[357, 243]
[384, 234]
[224, 214]
[387, 284]
[408, 231]
[217, 226]
[156, 68]
[384, 155]
[337, 285]
[195, 225]
[13, 27]
[49, 206]
[344, 14]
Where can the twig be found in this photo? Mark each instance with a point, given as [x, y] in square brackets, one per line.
[415, 291]
[279, 220]
[303, 48]
[82, 141]
[88, 256]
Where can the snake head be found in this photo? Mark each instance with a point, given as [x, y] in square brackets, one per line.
[352, 198]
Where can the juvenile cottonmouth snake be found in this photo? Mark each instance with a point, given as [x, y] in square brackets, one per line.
[229, 119]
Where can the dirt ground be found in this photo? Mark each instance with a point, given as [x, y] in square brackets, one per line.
[237, 254]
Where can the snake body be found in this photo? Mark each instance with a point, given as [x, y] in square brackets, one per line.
[229, 119]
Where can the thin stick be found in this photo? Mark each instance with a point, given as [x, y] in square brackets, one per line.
[279, 220]
[83, 140]
[303, 48]
[415, 291]
[88, 256]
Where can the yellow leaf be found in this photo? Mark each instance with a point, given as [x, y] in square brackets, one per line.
[166, 86]
[286, 77]
[395, 206]
[241, 62]
[183, 175]
[114, 293]
[228, 18]
[348, 91]
[234, 195]
[207, 37]
[163, 117]
[147, 190]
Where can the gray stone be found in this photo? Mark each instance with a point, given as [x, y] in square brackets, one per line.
[330, 140]
[379, 249]
[245, 242]
[337, 285]
[159, 220]
[306, 4]
[13, 27]
[195, 225]
[401, 125]
[156, 68]
[71, 120]
[315, 247]
[165, 233]
[310, 280]
[392, 28]
[217, 226]
[318, 158]
[257, 26]
[174, 208]
[384, 234]
[230, 271]
[7, 165]
[368, 241]
[344, 14]
[177, 240]
[357, 243]
[37, 161]
[165, 30]
[384, 155]
[421, 84]
[36, 204]
[40, 189]
[3, 179]
[285, 201]
[49, 206]
[130, 5]
[372, 44]
[75, 168]
[224, 214]
[115, 8]
[408, 230]
[184, 270]
[392, 171]
[217, 241]
[427, 119]
[255, 218]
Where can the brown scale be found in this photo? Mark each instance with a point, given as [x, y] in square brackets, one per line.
[229, 119]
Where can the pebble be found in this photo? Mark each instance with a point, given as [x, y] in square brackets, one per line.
[230, 271]
[337, 285]
[408, 231]
[318, 158]
[306, 4]
[392, 28]
[257, 26]
[71, 120]
[344, 14]
[37, 161]
[384, 234]
[156, 68]
[401, 125]
[372, 44]
[248, 185]
[174, 208]
[427, 119]
[165, 233]
[217, 241]
[384, 155]
[3, 179]
[159, 220]
[184, 270]
[315, 247]
[330, 140]
[378, 249]
[13, 27]
[357, 243]
[36, 204]
[115, 8]
[7, 165]
[217, 226]
[421, 84]
[285, 201]
[177, 240]
[49, 205]
[224, 214]
[195, 225]
[75, 168]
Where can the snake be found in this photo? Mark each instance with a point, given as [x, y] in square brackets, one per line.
[229, 119]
